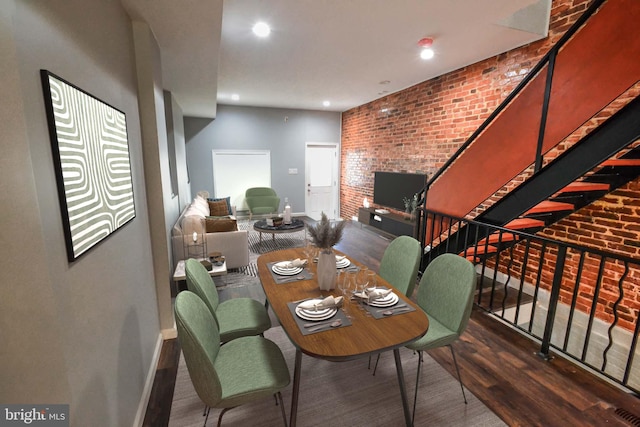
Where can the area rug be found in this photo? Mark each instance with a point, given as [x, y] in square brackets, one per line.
[345, 394]
[268, 243]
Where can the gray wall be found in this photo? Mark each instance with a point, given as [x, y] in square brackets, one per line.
[284, 132]
[83, 333]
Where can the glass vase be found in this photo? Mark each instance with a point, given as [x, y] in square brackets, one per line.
[327, 269]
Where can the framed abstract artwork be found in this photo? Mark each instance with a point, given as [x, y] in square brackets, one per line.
[91, 157]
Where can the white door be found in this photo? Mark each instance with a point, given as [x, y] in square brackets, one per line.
[321, 166]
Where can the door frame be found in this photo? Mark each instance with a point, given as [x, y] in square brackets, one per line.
[335, 192]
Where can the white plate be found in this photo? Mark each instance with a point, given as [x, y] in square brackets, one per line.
[287, 271]
[387, 301]
[343, 263]
[322, 314]
[284, 265]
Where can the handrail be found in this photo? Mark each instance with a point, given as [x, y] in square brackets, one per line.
[534, 71]
[544, 303]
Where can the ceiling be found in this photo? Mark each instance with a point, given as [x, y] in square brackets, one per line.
[340, 50]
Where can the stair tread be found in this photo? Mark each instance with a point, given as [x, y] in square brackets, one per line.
[520, 223]
[480, 250]
[585, 186]
[621, 162]
[550, 206]
[495, 238]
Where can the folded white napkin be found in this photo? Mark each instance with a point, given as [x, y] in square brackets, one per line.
[377, 293]
[296, 263]
[340, 258]
[328, 302]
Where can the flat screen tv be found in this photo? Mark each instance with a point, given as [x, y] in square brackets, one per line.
[390, 188]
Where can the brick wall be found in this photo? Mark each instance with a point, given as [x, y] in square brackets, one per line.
[417, 130]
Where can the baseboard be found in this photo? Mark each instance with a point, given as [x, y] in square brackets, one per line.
[146, 392]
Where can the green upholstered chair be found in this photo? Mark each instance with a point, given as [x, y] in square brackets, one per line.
[400, 262]
[230, 375]
[445, 294]
[399, 267]
[237, 317]
[261, 200]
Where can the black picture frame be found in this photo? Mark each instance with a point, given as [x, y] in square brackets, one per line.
[90, 148]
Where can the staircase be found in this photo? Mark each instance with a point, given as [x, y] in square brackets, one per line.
[569, 182]
[562, 93]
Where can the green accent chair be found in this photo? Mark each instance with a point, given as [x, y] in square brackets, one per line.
[237, 317]
[400, 262]
[399, 267]
[230, 375]
[262, 200]
[445, 294]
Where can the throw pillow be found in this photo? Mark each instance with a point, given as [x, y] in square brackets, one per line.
[216, 225]
[193, 211]
[227, 200]
[201, 204]
[219, 207]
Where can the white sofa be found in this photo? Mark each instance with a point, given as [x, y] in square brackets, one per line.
[234, 245]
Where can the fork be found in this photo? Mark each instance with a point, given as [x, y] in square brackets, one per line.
[291, 279]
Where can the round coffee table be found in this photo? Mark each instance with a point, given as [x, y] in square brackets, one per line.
[296, 225]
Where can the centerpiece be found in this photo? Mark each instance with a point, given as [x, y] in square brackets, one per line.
[324, 236]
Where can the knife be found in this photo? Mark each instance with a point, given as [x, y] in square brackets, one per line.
[392, 308]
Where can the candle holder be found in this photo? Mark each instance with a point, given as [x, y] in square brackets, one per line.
[194, 237]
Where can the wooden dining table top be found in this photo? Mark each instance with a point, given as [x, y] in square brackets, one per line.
[366, 335]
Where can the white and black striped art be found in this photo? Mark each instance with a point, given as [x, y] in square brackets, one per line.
[91, 155]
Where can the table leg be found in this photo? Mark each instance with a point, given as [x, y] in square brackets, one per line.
[403, 391]
[296, 389]
[273, 236]
[260, 232]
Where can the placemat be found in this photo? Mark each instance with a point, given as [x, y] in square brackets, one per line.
[301, 322]
[397, 309]
[305, 274]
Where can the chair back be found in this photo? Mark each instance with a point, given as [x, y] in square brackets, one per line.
[446, 291]
[200, 342]
[200, 283]
[262, 199]
[260, 191]
[400, 262]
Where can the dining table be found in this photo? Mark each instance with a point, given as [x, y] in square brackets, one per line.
[363, 336]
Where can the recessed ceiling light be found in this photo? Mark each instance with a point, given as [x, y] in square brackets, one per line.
[261, 29]
[235, 97]
[426, 53]
[326, 103]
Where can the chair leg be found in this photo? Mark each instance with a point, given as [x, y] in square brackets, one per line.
[206, 412]
[376, 365]
[284, 415]
[221, 414]
[453, 353]
[415, 396]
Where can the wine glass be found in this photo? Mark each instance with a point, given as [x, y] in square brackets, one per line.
[371, 280]
[363, 277]
[347, 287]
[308, 251]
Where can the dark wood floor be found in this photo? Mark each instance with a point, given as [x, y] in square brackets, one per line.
[497, 364]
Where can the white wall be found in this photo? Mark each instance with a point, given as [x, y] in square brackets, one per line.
[83, 333]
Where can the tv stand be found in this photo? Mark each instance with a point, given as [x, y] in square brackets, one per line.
[391, 223]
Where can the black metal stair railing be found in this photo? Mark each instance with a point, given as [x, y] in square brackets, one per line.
[574, 300]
